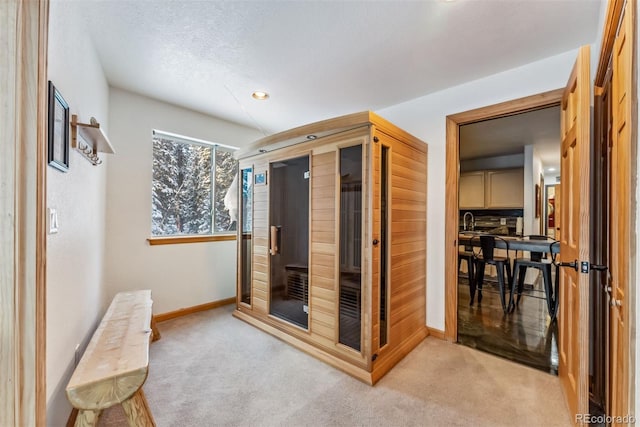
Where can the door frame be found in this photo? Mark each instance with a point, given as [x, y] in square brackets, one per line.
[453, 123]
[23, 82]
[613, 18]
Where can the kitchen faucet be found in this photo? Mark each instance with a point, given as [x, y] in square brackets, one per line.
[464, 221]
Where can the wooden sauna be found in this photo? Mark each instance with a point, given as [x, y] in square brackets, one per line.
[332, 241]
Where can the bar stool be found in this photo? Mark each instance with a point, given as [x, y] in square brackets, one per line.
[468, 256]
[535, 261]
[502, 264]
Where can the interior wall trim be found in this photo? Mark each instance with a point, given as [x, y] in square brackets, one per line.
[453, 123]
[436, 333]
[23, 132]
[193, 309]
[611, 23]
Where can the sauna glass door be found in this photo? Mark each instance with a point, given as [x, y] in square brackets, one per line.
[289, 240]
[246, 211]
[351, 246]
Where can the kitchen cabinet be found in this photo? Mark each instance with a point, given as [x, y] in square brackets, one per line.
[492, 189]
[333, 256]
[472, 190]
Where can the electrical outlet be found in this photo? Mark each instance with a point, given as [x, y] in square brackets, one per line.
[503, 221]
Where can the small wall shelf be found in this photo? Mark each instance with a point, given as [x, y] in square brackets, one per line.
[92, 139]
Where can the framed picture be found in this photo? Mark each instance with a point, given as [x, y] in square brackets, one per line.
[58, 152]
[538, 201]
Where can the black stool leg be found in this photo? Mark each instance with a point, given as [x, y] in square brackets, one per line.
[512, 303]
[472, 279]
[522, 273]
[500, 270]
[548, 290]
[479, 280]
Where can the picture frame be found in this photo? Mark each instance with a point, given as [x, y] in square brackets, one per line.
[538, 201]
[58, 130]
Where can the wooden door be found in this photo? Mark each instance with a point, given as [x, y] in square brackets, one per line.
[620, 186]
[557, 212]
[573, 319]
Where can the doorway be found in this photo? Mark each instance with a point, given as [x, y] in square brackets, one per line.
[289, 240]
[503, 163]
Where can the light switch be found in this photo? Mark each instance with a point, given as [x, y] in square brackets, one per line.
[52, 220]
[503, 221]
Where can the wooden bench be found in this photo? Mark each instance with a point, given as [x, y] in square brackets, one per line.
[116, 362]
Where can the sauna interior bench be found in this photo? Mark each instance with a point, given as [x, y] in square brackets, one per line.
[116, 362]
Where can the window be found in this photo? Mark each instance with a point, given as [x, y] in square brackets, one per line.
[194, 186]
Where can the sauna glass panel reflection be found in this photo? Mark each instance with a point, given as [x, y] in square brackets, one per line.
[246, 204]
[350, 246]
[384, 158]
[289, 240]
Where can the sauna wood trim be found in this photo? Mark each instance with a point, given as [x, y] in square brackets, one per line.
[453, 123]
[323, 129]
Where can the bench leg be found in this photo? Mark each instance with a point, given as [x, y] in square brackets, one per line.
[137, 410]
[87, 418]
[155, 332]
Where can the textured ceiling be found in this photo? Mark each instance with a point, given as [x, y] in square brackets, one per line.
[509, 135]
[320, 59]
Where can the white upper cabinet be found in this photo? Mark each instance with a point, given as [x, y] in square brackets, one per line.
[494, 189]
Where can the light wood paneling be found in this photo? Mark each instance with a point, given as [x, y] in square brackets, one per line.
[323, 290]
[23, 87]
[260, 254]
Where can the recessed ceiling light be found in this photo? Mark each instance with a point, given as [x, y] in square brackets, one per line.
[311, 137]
[551, 169]
[260, 95]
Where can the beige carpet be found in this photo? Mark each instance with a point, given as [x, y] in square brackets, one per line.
[211, 369]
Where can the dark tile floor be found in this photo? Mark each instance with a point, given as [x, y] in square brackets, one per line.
[526, 335]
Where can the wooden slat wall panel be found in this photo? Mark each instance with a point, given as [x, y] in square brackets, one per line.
[323, 293]
[408, 194]
[260, 292]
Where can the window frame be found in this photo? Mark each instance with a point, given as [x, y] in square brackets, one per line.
[212, 236]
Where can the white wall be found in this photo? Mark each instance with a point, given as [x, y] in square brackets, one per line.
[180, 275]
[532, 171]
[425, 118]
[76, 294]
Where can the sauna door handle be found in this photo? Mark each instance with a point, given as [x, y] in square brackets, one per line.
[274, 239]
